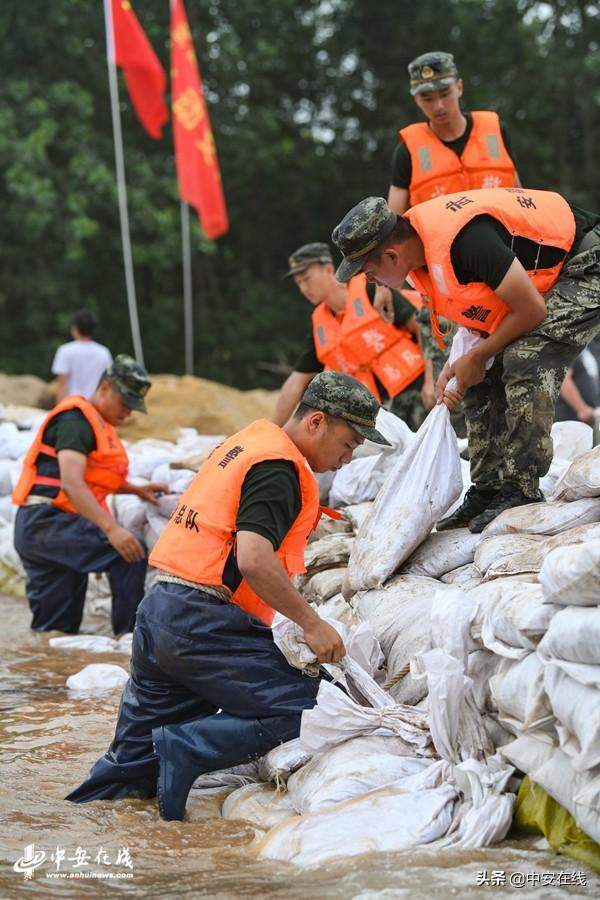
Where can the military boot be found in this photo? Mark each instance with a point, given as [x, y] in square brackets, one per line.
[509, 496]
[476, 500]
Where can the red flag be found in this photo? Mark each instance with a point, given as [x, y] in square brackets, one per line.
[145, 77]
[195, 154]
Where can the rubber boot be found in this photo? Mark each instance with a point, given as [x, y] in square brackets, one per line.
[475, 501]
[190, 749]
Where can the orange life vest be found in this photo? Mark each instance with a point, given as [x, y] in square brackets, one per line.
[540, 216]
[435, 169]
[359, 343]
[105, 469]
[200, 535]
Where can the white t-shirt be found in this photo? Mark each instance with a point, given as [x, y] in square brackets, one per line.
[83, 362]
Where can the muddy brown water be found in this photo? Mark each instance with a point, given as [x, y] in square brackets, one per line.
[49, 739]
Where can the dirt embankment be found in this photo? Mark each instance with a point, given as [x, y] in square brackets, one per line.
[26, 390]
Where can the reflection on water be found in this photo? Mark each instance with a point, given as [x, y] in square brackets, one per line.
[48, 742]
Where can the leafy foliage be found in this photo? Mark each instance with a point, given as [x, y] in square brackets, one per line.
[305, 100]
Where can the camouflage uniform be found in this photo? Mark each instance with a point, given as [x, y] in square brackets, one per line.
[510, 414]
[131, 380]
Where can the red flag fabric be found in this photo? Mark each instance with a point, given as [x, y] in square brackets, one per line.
[195, 154]
[144, 75]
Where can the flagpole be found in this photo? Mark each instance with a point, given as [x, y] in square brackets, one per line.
[186, 258]
[121, 186]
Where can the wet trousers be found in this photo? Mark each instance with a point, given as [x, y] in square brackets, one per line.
[58, 551]
[510, 414]
[198, 659]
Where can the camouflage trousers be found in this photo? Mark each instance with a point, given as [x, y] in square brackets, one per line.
[408, 406]
[510, 414]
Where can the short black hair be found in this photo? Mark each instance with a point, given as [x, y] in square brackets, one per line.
[85, 322]
[401, 233]
[305, 409]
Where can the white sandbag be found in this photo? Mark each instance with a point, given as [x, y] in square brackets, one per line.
[327, 526]
[260, 804]
[233, 777]
[323, 585]
[130, 512]
[8, 555]
[124, 643]
[465, 577]
[97, 678]
[548, 482]
[571, 439]
[143, 462]
[573, 635]
[385, 819]
[351, 769]
[519, 695]
[165, 505]
[420, 487]
[581, 479]
[14, 443]
[336, 718]
[279, 763]
[8, 510]
[481, 666]
[577, 711]
[329, 552]
[360, 643]
[96, 643]
[357, 513]
[550, 767]
[5, 479]
[491, 550]
[394, 430]
[532, 557]
[442, 552]
[511, 616]
[337, 608]
[324, 480]
[181, 480]
[153, 528]
[357, 481]
[571, 575]
[545, 518]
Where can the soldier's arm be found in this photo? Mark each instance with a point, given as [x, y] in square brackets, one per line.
[290, 395]
[397, 199]
[570, 394]
[72, 468]
[266, 576]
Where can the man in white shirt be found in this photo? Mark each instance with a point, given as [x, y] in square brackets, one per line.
[80, 363]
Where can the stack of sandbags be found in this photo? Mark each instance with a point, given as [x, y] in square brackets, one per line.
[570, 439]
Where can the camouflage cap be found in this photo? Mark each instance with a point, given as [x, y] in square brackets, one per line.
[346, 398]
[362, 230]
[432, 71]
[131, 379]
[306, 255]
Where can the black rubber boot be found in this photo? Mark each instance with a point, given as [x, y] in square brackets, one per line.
[215, 742]
[476, 500]
[507, 497]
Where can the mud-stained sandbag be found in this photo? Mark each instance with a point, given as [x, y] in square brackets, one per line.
[491, 550]
[519, 696]
[328, 526]
[571, 439]
[338, 608]
[465, 577]
[351, 769]
[384, 819]
[574, 636]
[442, 552]
[323, 585]
[582, 478]
[260, 804]
[357, 513]
[571, 575]
[329, 552]
[279, 763]
[423, 483]
[511, 616]
[531, 559]
[577, 711]
[97, 678]
[545, 518]
[95, 643]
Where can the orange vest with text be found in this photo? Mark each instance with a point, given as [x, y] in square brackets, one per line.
[359, 343]
[200, 536]
[540, 216]
[105, 469]
[435, 169]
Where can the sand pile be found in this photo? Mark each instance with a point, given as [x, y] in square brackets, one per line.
[207, 406]
[25, 390]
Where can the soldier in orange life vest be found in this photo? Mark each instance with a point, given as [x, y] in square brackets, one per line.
[348, 335]
[63, 528]
[209, 688]
[451, 151]
[520, 269]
